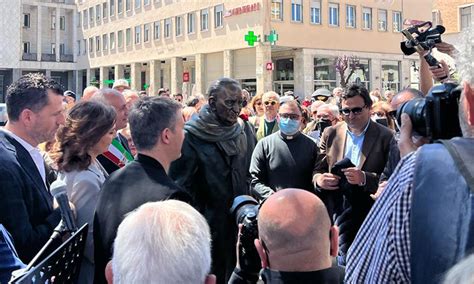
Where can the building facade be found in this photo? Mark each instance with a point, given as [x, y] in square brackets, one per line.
[184, 45]
[454, 15]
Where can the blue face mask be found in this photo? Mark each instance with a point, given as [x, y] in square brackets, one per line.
[289, 126]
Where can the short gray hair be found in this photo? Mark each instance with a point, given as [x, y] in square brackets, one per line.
[148, 117]
[465, 68]
[104, 93]
[162, 242]
[461, 273]
[334, 109]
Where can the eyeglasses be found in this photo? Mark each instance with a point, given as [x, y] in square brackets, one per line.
[355, 110]
[270, 102]
[290, 116]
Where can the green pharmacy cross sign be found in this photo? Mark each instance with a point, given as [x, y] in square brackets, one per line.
[272, 37]
[251, 38]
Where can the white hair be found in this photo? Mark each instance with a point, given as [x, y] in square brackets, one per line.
[334, 109]
[162, 242]
[461, 273]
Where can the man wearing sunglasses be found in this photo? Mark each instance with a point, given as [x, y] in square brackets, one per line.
[366, 144]
[271, 103]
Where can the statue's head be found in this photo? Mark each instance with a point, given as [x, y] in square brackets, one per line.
[225, 100]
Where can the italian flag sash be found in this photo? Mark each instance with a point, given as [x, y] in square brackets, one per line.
[117, 154]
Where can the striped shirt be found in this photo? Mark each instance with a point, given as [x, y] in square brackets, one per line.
[381, 250]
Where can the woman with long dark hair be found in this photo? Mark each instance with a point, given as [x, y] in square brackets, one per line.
[87, 133]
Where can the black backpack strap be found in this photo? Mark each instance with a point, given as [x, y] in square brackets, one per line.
[460, 158]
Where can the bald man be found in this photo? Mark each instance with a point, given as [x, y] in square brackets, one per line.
[89, 92]
[293, 251]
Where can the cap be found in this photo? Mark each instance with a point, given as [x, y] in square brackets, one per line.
[321, 94]
[70, 94]
[121, 83]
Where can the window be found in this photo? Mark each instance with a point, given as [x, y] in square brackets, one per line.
[97, 13]
[465, 14]
[383, 20]
[277, 10]
[191, 22]
[120, 39]
[156, 30]
[79, 19]
[26, 47]
[84, 17]
[26, 20]
[104, 10]
[91, 15]
[204, 19]
[128, 5]
[324, 73]
[62, 48]
[112, 8]
[53, 48]
[138, 34]
[333, 14]
[167, 28]
[296, 11]
[146, 2]
[397, 21]
[84, 41]
[120, 6]
[315, 12]
[128, 36]
[62, 23]
[53, 22]
[218, 13]
[97, 43]
[146, 32]
[179, 25]
[91, 45]
[105, 44]
[78, 47]
[138, 3]
[391, 75]
[350, 16]
[367, 18]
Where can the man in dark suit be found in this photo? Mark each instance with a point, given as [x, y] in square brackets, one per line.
[119, 153]
[35, 111]
[367, 145]
[156, 126]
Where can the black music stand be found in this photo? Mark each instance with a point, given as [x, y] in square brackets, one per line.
[63, 264]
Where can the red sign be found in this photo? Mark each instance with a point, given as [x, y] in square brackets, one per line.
[186, 77]
[269, 66]
[242, 10]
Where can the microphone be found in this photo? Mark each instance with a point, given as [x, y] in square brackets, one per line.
[58, 190]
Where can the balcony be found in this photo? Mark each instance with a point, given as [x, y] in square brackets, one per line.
[29, 56]
[48, 57]
[66, 58]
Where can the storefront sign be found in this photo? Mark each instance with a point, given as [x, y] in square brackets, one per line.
[186, 77]
[269, 66]
[242, 10]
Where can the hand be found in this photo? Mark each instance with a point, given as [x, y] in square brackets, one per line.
[440, 73]
[380, 189]
[328, 181]
[445, 47]
[237, 246]
[354, 175]
[73, 207]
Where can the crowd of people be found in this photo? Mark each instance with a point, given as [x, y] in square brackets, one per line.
[347, 192]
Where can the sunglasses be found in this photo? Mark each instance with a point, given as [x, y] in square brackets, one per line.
[259, 103]
[291, 116]
[355, 110]
[270, 103]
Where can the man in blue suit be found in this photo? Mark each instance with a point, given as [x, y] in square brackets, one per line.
[35, 111]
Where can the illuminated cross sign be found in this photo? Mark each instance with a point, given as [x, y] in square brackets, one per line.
[251, 38]
[272, 37]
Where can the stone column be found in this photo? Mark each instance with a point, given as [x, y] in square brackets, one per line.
[74, 35]
[88, 77]
[118, 72]
[375, 73]
[16, 74]
[103, 75]
[135, 76]
[58, 39]
[264, 78]
[405, 73]
[77, 82]
[39, 32]
[200, 85]
[304, 74]
[155, 74]
[176, 75]
[47, 73]
[228, 58]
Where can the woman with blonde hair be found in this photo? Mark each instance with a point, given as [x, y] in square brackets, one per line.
[256, 106]
[87, 133]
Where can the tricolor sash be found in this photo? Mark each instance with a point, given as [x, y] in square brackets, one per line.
[117, 154]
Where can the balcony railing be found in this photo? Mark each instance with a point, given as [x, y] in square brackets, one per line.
[66, 58]
[29, 56]
[48, 57]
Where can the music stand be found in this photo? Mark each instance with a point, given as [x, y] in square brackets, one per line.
[63, 264]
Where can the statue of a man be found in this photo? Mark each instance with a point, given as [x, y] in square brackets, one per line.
[214, 167]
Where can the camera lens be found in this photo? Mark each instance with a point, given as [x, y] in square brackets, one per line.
[416, 110]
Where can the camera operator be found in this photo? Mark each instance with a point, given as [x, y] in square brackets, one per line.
[292, 251]
[420, 226]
